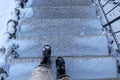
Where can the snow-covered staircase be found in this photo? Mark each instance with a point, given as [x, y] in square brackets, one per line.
[73, 30]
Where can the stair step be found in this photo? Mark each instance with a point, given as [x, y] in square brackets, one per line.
[64, 46]
[62, 12]
[39, 3]
[60, 27]
[84, 68]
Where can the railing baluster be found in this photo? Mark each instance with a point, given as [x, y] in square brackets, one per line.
[112, 9]
[106, 3]
[105, 16]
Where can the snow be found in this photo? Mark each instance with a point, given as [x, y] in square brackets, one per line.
[115, 26]
[93, 41]
[95, 67]
[29, 3]
[78, 46]
[7, 12]
[112, 15]
[27, 13]
[17, 70]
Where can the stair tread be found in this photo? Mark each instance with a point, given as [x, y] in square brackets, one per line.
[83, 68]
[60, 27]
[64, 12]
[64, 46]
[40, 3]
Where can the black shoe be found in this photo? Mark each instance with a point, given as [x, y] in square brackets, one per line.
[60, 65]
[46, 59]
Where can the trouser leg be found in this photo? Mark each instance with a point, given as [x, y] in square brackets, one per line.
[42, 73]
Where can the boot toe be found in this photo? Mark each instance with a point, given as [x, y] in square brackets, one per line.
[60, 61]
[46, 49]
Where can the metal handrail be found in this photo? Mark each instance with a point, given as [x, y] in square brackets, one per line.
[110, 22]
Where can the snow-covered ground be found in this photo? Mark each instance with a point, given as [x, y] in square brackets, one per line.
[10, 12]
[6, 7]
[7, 12]
[5, 15]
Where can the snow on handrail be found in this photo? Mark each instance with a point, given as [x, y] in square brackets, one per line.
[110, 22]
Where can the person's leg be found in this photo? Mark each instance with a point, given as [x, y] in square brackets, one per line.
[61, 73]
[43, 71]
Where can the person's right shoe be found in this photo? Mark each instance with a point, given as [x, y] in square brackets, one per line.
[60, 66]
[46, 58]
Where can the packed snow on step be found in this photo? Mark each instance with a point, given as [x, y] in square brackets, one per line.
[64, 46]
[29, 3]
[21, 72]
[64, 12]
[60, 27]
[44, 3]
[26, 13]
[83, 68]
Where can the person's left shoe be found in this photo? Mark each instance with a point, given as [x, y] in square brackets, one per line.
[60, 66]
[46, 58]
[61, 72]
